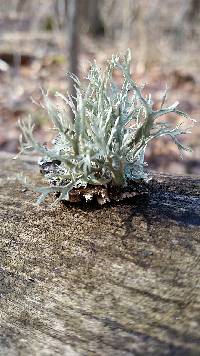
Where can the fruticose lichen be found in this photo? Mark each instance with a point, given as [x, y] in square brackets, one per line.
[103, 142]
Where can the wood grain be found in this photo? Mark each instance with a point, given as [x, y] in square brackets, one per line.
[122, 279]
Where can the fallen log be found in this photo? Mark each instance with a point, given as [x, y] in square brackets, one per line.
[80, 279]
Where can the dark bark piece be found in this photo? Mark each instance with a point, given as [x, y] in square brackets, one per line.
[116, 280]
[101, 194]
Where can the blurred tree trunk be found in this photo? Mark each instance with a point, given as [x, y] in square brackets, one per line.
[194, 10]
[73, 36]
[90, 10]
[20, 4]
[59, 9]
[80, 13]
[143, 36]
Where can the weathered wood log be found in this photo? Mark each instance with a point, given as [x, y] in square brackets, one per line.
[122, 279]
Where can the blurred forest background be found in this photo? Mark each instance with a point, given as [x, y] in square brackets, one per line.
[41, 40]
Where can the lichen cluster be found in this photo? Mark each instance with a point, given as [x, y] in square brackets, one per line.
[104, 140]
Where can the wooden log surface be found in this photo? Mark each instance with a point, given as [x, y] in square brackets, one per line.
[122, 279]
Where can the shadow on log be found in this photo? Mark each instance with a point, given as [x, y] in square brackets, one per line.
[120, 280]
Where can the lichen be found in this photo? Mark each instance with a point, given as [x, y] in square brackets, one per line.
[104, 140]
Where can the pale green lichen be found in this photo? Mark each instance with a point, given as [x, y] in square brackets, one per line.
[104, 141]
